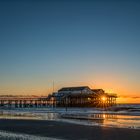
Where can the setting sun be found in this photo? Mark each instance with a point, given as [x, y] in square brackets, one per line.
[103, 98]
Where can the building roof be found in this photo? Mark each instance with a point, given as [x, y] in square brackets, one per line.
[73, 88]
[97, 90]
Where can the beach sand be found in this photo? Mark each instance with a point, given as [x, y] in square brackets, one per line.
[68, 131]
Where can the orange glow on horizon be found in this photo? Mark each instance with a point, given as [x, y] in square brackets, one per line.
[125, 92]
[128, 100]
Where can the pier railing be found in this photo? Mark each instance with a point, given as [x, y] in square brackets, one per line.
[23, 101]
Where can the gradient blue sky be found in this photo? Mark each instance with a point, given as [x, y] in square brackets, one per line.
[71, 42]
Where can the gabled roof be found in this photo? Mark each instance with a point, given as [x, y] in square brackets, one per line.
[97, 90]
[73, 88]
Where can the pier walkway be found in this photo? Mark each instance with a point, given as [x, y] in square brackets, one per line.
[24, 101]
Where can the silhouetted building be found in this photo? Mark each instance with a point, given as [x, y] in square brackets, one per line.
[82, 97]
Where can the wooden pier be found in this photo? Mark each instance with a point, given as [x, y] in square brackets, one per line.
[23, 101]
[65, 97]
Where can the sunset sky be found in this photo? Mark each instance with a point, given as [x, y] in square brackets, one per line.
[71, 42]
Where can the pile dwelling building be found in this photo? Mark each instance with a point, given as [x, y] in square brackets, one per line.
[82, 97]
[65, 97]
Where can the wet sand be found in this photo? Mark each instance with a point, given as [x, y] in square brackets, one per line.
[68, 131]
